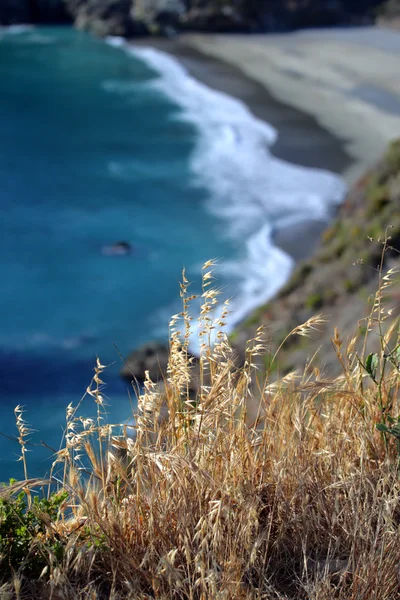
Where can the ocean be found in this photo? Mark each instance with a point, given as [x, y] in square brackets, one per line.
[101, 142]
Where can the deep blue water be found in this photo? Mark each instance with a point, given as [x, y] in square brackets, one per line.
[81, 167]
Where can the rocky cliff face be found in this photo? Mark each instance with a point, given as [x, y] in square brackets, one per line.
[136, 17]
[132, 17]
[103, 17]
[127, 17]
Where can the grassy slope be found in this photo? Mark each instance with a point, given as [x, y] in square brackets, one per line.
[342, 274]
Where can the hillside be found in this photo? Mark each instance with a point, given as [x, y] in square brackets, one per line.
[338, 280]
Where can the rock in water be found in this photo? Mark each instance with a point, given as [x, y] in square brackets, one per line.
[152, 357]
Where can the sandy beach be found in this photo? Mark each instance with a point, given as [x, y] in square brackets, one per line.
[333, 96]
[301, 139]
[347, 79]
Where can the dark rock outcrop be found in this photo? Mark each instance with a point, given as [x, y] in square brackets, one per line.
[103, 17]
[127, 18]
[159, 16]
[152, 357]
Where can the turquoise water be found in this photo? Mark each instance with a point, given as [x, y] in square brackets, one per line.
[99, 143]
[81, 167]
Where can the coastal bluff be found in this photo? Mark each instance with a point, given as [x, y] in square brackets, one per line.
[340, 280]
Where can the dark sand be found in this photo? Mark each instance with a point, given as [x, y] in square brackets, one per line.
[301, 140]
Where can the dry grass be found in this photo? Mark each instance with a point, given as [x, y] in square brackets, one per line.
[298, 501]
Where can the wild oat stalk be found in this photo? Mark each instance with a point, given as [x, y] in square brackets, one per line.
[23, 434]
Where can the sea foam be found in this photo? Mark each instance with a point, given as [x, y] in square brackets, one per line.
[250, 191]
[28, 34]
[16, 29]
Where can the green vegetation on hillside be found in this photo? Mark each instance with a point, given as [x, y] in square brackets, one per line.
[343, 273]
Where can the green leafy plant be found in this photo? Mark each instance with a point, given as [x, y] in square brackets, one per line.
[314, 301]
[371, 366]
[26, 535]
[393, 428]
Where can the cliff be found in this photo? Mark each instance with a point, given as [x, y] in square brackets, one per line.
[139, 17]
[133, 17]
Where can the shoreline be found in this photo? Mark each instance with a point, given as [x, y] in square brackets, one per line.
[321, 149]
[345, 79]
[301, 139]
[307, 141]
